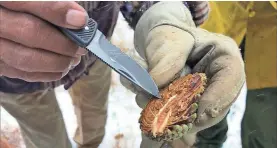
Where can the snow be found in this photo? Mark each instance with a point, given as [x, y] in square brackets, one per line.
[234, 119]
[121, 105]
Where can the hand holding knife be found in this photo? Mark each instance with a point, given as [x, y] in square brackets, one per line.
[93, 40]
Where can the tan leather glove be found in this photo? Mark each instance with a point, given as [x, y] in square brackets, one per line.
[170, 44]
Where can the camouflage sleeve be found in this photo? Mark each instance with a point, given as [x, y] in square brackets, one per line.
[133, 10]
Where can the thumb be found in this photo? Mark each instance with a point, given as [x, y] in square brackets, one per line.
[167, 50]
[65, 14]
[142, 100]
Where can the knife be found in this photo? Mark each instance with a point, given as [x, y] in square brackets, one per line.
[94, 41]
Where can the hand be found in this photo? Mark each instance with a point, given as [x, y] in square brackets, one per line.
[31, 48]
[171, 45]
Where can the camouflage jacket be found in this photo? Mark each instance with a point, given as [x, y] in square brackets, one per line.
[105, 13]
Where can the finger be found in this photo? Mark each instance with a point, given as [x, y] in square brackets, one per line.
[66, 14]
[75, 61]
[225, 79]
[205, 121]
[32, 59]
[142, 100]
[33, 32]
[10, 72]
[81, 51]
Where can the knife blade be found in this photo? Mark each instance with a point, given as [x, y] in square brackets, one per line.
[94, 41]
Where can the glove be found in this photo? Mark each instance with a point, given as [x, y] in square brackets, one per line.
[171, 46]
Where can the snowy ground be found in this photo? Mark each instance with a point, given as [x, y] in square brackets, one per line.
[121, 105]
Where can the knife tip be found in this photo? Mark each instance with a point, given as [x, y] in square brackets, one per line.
[158, 96]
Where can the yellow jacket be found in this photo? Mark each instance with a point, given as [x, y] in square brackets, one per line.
[257, 21]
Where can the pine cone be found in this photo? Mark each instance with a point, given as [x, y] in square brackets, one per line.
[172, 116]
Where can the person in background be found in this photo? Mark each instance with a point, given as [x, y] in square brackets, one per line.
[35, 58]
[253, 26]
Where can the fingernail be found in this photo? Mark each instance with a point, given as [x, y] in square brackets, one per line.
[72, 67]
[76, 18]
[76, 61]
[65, 73]
[81, 51]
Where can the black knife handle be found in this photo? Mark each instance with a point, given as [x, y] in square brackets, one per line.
[82, 36]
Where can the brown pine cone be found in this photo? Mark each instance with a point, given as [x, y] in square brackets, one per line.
[172, 116]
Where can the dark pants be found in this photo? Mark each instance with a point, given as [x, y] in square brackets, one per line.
[258, 127]
[259, 121]
[213, 137]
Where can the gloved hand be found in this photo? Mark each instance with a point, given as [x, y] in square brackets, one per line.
[170, 45]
